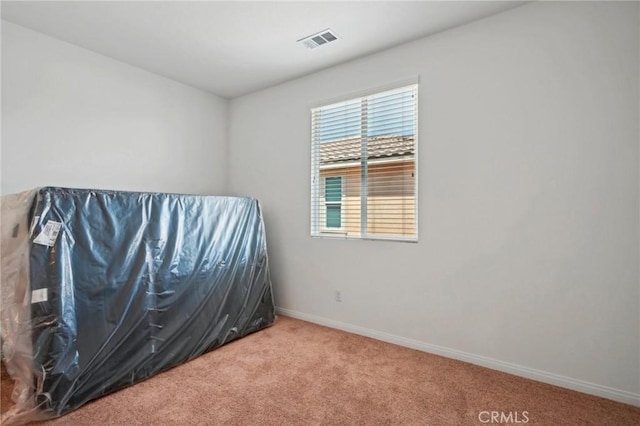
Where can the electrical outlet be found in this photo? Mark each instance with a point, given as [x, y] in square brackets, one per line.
[338, 296]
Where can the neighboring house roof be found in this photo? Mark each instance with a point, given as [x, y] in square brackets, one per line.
[345, 150]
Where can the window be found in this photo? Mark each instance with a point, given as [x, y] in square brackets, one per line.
[333, 202]
[363, 166]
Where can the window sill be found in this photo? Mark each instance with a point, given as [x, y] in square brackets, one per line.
[343, 236]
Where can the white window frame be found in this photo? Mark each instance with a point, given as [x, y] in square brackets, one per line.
[319, 231]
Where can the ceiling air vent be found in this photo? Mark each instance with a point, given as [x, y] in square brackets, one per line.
[318, 39]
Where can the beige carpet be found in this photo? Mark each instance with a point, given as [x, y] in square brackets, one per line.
[298, 373]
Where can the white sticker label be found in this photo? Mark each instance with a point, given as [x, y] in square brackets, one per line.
[39, 295]
[49, 234]
[33, 225]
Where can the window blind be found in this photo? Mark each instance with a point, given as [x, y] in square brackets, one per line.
[364, 166]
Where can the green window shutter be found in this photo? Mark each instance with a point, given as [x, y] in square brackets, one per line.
[334, 216]
[333, 200]
[333, 189]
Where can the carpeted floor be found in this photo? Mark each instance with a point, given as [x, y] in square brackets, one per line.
[298, 373]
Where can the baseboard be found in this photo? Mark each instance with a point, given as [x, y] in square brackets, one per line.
[517, 370]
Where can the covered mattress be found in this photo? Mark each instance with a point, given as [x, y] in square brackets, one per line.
[122, 285]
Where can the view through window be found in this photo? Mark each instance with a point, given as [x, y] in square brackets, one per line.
[364, 166]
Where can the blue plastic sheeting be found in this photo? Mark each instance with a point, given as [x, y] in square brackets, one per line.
[124, 285]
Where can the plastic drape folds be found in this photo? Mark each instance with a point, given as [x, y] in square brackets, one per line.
[101, 289]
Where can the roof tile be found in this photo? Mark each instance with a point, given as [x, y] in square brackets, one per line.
[349, 149]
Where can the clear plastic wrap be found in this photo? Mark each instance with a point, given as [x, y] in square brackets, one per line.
[102, 289]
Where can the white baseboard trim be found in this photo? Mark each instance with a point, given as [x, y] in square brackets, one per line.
[517, 370]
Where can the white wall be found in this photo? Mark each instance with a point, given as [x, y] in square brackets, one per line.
[71, 117]
[528, 252]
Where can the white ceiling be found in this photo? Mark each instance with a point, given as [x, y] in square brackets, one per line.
[233, 48]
